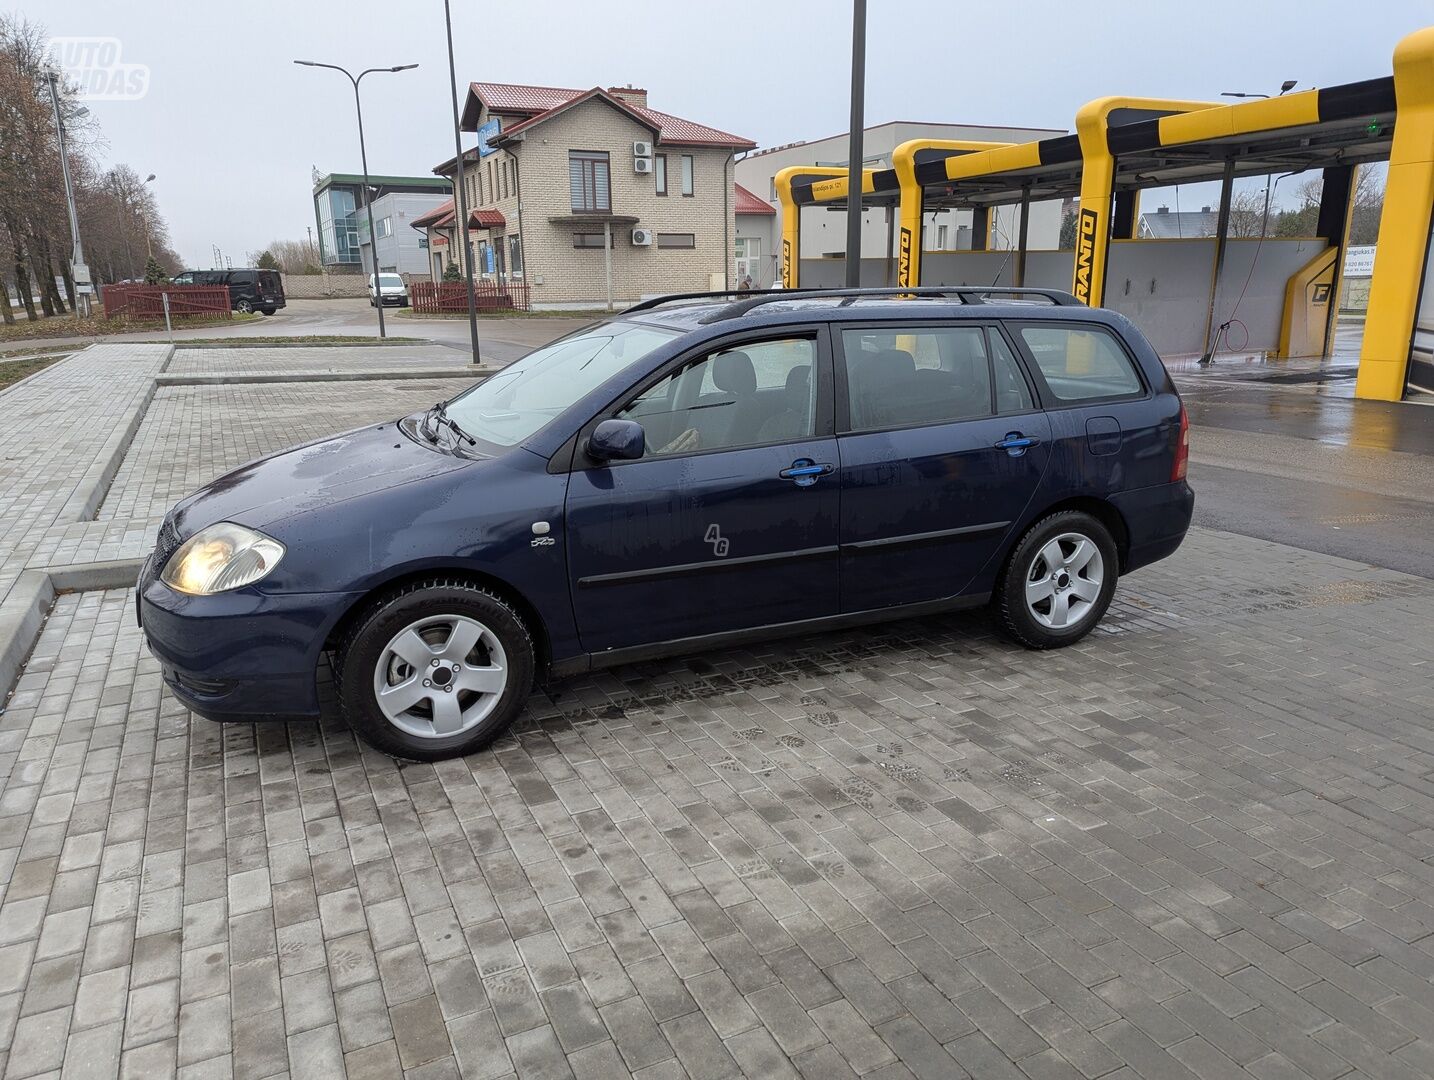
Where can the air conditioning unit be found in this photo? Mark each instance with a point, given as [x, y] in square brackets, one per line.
[642, 164]
[641, 237]
[641, 149]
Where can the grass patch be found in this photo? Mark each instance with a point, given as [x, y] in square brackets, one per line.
[35, 350]
[67, 326]
[16, 370]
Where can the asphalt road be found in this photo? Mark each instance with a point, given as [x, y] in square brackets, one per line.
[1307, 465]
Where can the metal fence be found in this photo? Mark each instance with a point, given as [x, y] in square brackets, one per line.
[451, 297]
[147, 301]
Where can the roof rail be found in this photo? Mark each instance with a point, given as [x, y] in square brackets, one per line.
[668, 298]
[967, 294]
[748, 299]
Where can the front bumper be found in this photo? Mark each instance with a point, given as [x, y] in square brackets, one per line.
[1157, 519]
[242, 655]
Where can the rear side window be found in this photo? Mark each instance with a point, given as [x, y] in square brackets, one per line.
[1081, 363]
[241, 277]
[920, 375]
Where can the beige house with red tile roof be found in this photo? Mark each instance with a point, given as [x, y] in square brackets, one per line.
[590, 196]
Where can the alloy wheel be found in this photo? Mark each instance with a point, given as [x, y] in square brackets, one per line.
[440, 676]
[1064, 581]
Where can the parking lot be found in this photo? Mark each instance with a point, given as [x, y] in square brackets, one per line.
[1196, 844]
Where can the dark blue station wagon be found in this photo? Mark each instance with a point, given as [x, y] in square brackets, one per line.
[695, 472]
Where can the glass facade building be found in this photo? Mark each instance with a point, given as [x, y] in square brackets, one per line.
[339, 196]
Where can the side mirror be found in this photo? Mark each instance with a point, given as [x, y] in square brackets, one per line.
[617, 440]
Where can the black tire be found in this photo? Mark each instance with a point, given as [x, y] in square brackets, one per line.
[268, 310]
[362, 647]
[1015, 617]
[244, 307]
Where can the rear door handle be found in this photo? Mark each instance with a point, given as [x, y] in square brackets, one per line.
[1016, 444]
[804, 471]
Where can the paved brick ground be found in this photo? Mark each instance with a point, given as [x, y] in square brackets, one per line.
[191, 434]
[60, 427]
[1196, 845]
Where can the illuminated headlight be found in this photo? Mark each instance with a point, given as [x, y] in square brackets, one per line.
[222, 557]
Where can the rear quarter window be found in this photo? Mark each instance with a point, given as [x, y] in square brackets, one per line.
[1084, 363]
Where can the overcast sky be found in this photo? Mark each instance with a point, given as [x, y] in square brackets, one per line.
[232, 128]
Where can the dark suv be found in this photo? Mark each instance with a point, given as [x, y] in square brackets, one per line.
[249, 290]
[696, 472]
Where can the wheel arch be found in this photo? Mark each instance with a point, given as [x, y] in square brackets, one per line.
[1103, 511]
[500, 588]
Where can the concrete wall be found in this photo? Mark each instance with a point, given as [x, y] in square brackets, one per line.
[1163, 286]
[324, 286]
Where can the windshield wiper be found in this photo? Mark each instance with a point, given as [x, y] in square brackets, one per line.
[438, 417]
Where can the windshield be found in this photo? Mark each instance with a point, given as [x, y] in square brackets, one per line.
[523, 397]
[388, 281]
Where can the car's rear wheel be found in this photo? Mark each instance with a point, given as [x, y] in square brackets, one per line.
[268, 310]
[1058, 581]
[435, 670]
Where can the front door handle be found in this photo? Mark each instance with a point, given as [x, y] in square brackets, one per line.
[804, 471]
[1016, 444]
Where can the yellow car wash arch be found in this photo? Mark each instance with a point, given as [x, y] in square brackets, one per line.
[1123, 145]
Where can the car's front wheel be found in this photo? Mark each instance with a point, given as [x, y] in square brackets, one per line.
[435, 670]
[1058, 581]
[244, 307]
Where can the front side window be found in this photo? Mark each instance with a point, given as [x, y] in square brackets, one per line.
[687, 174]
[751, 395]
[901, 377]
[1081, 363]
[523, 397]
[589, 179]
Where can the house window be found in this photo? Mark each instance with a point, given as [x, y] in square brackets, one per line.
[687, 175]
[503, 172]
[941, 238]
[515, 255]
[590, 180]
[676, 240]
[589, 240]
[384, 226]
[659, 171]
[492, 191]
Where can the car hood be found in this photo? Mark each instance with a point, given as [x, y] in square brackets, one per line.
[312, 476]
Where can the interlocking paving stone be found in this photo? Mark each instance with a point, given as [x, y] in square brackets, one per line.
[1198, 843]
[191, 434]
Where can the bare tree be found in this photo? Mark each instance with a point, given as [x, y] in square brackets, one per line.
[119, 218]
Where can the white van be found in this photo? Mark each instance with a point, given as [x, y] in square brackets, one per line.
[391, 289]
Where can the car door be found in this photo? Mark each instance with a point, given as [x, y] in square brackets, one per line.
[729, 520]
[1108, 434]
[941, 449]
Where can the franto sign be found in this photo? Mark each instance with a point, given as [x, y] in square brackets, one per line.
[1086, 227]
[903, 258]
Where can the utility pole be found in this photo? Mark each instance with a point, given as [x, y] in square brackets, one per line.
[460, 196]
[79, 272]
[854, 144]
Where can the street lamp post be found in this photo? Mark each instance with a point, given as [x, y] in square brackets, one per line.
[363, 157]
[854, 144]
[79, 272]
[460, 196]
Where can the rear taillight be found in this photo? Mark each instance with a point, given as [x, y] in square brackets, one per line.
[1182, 448]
